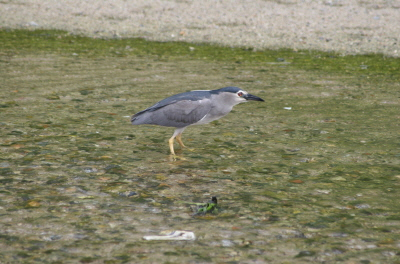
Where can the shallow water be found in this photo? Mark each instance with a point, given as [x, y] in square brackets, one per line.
[310, 175]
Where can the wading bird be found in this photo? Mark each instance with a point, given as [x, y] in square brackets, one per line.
[192, 108]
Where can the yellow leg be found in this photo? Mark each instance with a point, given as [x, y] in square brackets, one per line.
[177, 134]
[171, 145]
[179, 139]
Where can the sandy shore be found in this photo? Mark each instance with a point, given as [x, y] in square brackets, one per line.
[348, 27]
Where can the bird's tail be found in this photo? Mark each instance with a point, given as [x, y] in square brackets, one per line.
[139, 118]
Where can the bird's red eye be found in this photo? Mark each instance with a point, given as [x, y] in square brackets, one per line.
[240, 94]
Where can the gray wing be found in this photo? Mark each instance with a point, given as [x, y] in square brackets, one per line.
[176, 114]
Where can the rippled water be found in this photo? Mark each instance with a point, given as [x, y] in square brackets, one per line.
[310, 175]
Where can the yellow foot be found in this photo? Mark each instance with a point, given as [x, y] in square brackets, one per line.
[174, 157]
[179, 139]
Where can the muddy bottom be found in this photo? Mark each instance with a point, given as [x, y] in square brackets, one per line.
[310, 175]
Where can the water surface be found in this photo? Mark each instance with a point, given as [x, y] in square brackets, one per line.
[310, 175]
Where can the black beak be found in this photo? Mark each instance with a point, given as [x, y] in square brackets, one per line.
[250, 97]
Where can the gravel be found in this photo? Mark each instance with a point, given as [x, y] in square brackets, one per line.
[344, 26]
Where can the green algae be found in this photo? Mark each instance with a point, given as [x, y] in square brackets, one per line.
[61, 42]
[311, 175]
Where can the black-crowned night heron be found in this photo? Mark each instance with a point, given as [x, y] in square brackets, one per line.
[192, 108]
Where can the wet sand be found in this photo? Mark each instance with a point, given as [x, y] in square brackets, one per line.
[347, 27]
